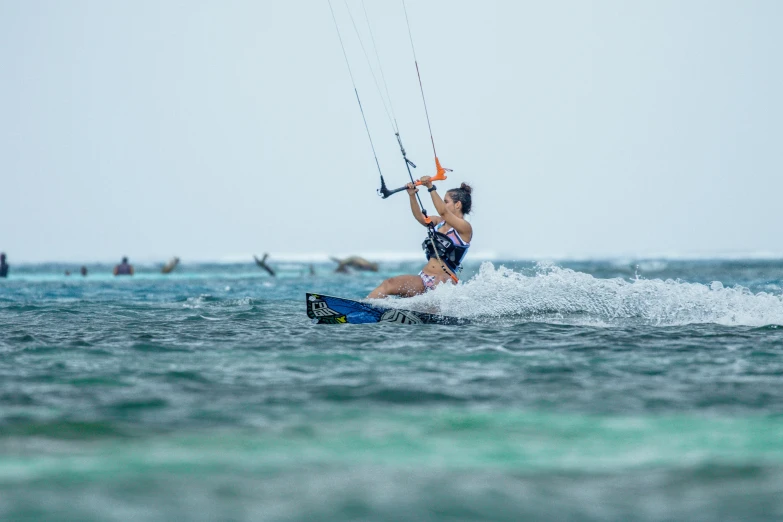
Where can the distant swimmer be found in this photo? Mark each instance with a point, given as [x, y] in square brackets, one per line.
[448, 239]
[3, 266]
[262, 263]
[356, 262]
[123, 268]
[83, 271]
[171, 265]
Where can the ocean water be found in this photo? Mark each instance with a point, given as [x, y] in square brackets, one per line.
[598, 390]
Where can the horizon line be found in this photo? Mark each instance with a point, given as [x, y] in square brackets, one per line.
[400, 257]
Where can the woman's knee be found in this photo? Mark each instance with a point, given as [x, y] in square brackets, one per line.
[400, 285]
[387, 287]
[390, 286]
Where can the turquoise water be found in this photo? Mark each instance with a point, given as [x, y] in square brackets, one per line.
[601, 390]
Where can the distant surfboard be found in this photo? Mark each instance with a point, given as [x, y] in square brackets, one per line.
[327, 309]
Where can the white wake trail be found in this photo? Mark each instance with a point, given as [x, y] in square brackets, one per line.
[554, 294]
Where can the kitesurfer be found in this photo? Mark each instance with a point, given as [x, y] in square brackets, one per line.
[445, 248]
[3, 266]
[123, 268]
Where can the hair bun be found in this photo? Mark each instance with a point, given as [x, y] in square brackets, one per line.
[467, 188]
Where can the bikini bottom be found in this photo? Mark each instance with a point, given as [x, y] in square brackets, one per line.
[429, 281]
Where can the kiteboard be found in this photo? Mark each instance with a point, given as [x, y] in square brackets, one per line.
[327, 309]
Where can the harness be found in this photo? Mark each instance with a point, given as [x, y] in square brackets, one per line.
[445, 249]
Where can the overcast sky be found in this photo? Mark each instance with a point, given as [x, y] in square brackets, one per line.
[213, 130]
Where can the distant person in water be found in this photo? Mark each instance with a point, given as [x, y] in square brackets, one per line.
[359, 263]
[83, 271]
[123, 268]
[171, 265]
[445, 249]
[3, 266]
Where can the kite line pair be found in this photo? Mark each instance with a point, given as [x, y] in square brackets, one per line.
[440, 174]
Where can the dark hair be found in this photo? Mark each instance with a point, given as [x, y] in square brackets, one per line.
[124, 259]
[462, 194]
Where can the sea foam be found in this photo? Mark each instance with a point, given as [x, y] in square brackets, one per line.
[552, 294]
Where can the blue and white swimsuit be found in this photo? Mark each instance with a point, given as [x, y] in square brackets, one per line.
[452, 262]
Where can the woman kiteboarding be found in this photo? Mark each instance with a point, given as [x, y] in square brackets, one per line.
[447, 241]
[448, 233]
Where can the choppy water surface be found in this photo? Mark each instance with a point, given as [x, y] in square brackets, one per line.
[580, 391]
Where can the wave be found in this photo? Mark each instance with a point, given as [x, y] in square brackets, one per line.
[206, 299]
[553, 294]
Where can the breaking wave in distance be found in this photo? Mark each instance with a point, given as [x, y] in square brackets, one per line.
[561, 295]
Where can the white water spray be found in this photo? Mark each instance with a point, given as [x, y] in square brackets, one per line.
[560, 295]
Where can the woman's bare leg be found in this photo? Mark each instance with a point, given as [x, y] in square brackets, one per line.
[404, 286]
